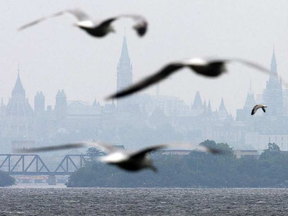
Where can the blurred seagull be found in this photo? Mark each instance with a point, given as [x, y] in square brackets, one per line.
[95, 29]
[204, 67]
[201, 148]
[258, 106]
[130, 161]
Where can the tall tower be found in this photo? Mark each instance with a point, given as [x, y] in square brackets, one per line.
[222, 113]
[273, 94]
[39, 103]
[19, 115]
[61, 105]
[197, 107]
[124, 74]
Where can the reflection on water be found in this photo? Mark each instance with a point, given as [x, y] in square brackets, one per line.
[152, 201]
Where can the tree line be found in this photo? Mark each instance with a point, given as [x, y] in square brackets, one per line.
[196, 170]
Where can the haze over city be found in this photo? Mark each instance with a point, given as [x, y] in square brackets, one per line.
[53, 55]
[144, 107]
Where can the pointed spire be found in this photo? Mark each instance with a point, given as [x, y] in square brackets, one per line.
[124, 51]
[18, 88]
[58, 93]
[273, 64]
[197, 101]
[209, 110]
[94, 103]
[124, 69]
[222, 105]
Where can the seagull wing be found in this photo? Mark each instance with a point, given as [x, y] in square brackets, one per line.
[104, 147]
[106, 22]
[252, 64]
[207, 149]
[148, 81]
[79, 14]
[258, 67]
[50, 148]
[141, 25]
[143, 152]
[40, 20]
[254, 110]
[256, 107]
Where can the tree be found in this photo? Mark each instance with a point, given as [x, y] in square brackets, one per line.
[209, 143]
[6, 180]
[225, 148]
[93, 153]
[272, 151]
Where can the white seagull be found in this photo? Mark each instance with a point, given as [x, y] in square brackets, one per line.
[130, 161]
[95, 29]
[258, 106]
[204, 67]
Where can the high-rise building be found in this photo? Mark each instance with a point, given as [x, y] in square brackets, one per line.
[61, 105]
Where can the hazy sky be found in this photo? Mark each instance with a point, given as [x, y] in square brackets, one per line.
[55, 55]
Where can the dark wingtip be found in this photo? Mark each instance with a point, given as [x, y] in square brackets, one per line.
[141, 31]
[111, 97]
[21, 150]
[19, 29]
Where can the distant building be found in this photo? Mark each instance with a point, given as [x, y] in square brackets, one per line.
[246, 153]
[18, 115]
[72, 121]
[124, 75]
[273, 94]
[272, 126]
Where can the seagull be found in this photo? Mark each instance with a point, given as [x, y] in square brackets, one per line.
[204, 67]
[129, 161]
[95, 29]
[258, 106]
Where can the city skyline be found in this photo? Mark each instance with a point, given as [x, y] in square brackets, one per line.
[118, 86]
[59, 59]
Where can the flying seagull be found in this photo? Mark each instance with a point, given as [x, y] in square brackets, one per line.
[95, 29]
[258, 106]
[204, 67]
[130, 161]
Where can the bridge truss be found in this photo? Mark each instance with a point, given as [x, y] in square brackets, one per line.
[32, 164]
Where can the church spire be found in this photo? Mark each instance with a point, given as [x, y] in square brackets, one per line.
[124, 51]
[197, 104]
[124, 73]
[124, 69]
[209, 110]
[222, 106]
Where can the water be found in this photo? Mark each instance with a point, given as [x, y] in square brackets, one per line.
[116, 201]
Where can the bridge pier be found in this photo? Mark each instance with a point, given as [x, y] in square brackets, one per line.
[52, 180]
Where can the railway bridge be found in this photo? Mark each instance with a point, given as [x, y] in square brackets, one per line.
[32, 164]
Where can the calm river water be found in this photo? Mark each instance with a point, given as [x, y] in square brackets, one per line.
[140, 201]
